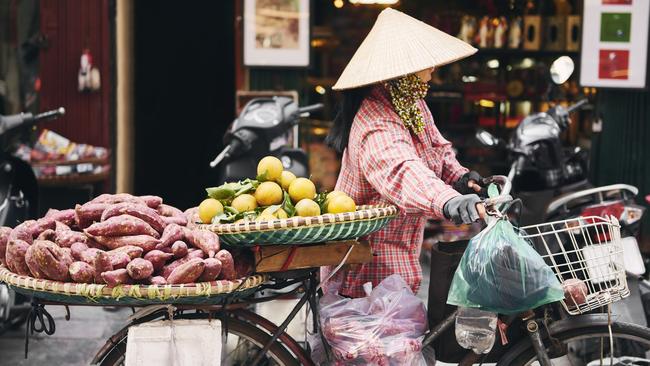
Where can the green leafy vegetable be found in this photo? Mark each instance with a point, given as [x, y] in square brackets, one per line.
[287, 206]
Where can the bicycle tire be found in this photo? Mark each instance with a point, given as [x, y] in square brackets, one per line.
[526, 355]
[235, 326]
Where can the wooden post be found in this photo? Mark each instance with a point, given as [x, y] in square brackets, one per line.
[125, 95]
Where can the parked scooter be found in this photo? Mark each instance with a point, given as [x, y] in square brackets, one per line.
[264, 127]
[18, 198]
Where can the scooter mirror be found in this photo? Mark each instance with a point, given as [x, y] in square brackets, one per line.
[561, 69]
[486, 138]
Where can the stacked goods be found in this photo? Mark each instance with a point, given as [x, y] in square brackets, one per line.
[274, 194]
[118, 239]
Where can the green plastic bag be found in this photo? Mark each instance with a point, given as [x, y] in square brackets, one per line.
[502, 273]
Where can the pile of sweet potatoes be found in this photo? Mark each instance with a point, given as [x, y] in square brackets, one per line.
[118, 239]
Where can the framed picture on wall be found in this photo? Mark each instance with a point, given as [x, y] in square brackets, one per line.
[615, 44]
[276, 33]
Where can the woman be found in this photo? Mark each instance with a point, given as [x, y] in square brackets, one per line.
[392, 151]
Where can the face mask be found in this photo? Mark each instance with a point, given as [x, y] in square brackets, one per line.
[405, 93]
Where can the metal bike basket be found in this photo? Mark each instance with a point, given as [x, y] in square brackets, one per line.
[583, 250]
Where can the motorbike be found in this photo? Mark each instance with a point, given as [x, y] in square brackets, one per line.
[18, 198]
[266, 126]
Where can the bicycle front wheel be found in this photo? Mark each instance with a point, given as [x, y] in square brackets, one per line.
[244, 341]
[590, 346]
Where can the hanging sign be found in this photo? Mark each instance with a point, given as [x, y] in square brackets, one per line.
[615, 43]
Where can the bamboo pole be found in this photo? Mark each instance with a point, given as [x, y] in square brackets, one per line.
[125, 95]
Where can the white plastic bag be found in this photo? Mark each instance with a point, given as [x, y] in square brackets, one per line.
[385, 328]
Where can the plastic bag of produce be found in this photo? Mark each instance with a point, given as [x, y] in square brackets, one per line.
[502, 273]
[384, 328]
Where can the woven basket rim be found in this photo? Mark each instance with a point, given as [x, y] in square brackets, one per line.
[144, 292]
[363, 214]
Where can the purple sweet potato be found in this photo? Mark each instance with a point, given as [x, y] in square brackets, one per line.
[152, 201]
[178, 220]
[205, 240]
[48, 234]
[15, 257]
[172, 233]
[30, 260]
[92, 243]
[121, 226]
[89, 255]
[41, 225]
[4, 239]
[119, 259]
[164, 249]
[66, 217]
[139, 269]
[146, 242]
[102, 264]
[77, 250]
[187, 272]
[52, 261]
[158, 258]
[158, 280]
[23, 232]
[147, 214]
[60, 227]
[118, 198]
[192, 215]
[88, 213]
[65, 238]
[82, 272]
[131, 250]
[66, 255]
[211, 271]
[227, 265]
[192, 254]
[169, 211]
[179, 249]
[116, 277]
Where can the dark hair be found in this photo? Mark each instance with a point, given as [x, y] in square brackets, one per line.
[349, 105]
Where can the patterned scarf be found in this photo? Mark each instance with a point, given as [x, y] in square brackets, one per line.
[405, 93]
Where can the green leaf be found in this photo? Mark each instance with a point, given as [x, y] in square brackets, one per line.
[255, 183]
[287, 206]
[245, 188]
[273, 209]
[321, 199]
[262, 177]
[493, 191]
[231, 210]
[222, 192]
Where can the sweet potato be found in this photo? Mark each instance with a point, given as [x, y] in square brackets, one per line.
[178, 220]
[119, 259]
[89, 255]
[169, 211]
[92, 243]
[172, 233]
[179, 249]
[48, 234]
[88, 213]
[187, 272]
[66, 255]
[192, 215]
[131, 250]
[152, 201]
[211, 271]
[4, 239]
[15, 257]
[118, 198]
[158, 280]
[52, 261]
[148, 215]
[42, 224]
[77, 249]
[65, 238]
[121, 226]
[192, 254]
[227, 265]
[66, 217]
[157, 259]
[23, 232]
[139, 269]
[164, 249]
[30, 260]
[205, 240]
[116, 277]
[102, 264]
[60, 227]
[82, 272]
[146, 242]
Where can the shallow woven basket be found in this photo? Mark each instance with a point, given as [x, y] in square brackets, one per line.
[136, 295]
[304, 230]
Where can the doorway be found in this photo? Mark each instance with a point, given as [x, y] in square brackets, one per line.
[184, 95]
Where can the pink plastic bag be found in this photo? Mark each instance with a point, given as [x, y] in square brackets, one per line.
[385, 328]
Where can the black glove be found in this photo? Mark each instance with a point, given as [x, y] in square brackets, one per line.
[461, 185]
[462, 209]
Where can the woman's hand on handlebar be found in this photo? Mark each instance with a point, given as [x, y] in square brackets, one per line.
[464, 209]
[470, 183]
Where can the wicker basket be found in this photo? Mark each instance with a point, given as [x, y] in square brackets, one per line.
[136, 295]
[305, 230]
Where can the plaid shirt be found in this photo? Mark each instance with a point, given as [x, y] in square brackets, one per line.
[385, 163]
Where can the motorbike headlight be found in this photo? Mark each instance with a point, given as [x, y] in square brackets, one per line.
[632, 214]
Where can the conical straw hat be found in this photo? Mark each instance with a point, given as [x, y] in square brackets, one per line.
[399, 45]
